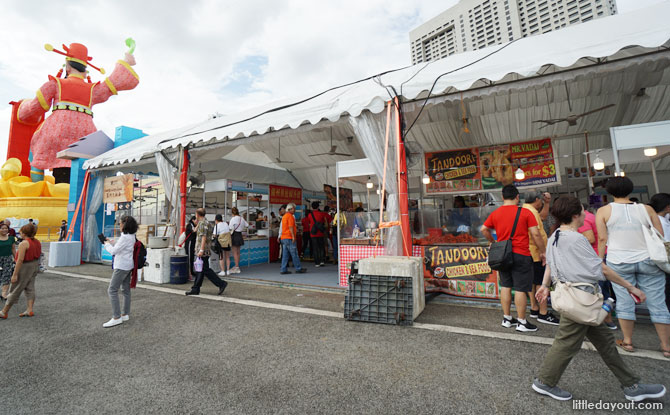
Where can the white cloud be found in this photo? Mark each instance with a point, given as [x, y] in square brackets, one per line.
[186, 51]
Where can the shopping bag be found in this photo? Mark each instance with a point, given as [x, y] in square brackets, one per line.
[655, 243]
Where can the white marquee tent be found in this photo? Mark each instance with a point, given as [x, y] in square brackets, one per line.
[622, 60]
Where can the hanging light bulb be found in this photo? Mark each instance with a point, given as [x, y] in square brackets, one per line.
[425, 179]
[519, 174]
[119, 173]
[378, 191]
[620, 174]
[598, 163]
[650, 152]
[369, 184]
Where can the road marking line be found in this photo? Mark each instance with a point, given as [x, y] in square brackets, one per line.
[649, 354]
[231, 300]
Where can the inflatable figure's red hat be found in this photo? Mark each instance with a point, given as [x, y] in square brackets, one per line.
[75, 53]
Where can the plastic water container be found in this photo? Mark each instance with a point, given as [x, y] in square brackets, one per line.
[197, 264]
[178, 269]
[608, 304]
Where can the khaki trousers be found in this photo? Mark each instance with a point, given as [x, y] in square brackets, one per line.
[568, 341]
[26, 282]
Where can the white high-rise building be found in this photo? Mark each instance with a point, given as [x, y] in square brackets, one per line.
[475, 24]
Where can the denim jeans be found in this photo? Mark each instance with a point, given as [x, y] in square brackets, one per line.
[651, 280]
[289, 248]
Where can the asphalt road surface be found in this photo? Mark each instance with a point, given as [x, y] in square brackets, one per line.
[193, 355]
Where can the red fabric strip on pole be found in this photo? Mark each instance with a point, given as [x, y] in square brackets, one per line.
[403, 196]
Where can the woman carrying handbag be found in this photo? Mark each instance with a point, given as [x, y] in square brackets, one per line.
[628, 230]
[572, 260]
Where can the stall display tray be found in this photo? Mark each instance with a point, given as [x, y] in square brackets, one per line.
[359, 241]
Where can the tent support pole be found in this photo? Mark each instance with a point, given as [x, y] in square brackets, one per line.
[653, 174]
[182, 192]
[339, 219]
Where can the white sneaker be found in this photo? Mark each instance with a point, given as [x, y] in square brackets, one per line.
[236, 270]
[222, 274]
[113, 322]
[125, 318]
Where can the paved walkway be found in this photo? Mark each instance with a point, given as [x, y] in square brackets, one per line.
[228, 354]
[444, 310]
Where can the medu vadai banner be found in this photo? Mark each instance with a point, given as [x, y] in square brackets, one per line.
[492, 167]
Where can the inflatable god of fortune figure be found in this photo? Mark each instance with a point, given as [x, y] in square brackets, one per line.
[72, 99]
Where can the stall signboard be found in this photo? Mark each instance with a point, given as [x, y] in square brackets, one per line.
[461, 270]
[346, 198]
[453, 171]
[583, 173]
[282, 195]
[118, 189]
[537, 160]
[492, 167]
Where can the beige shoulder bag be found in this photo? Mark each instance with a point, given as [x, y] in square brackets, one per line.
[576, 304]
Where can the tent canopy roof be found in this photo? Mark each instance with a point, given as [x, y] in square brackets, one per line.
[506, 87]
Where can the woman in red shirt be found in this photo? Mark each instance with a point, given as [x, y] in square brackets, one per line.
[27, 265]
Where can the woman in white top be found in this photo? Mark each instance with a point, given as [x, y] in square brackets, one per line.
[122, 250]
[619, 227]
[221, 228]
[661, 204]
[237, 225]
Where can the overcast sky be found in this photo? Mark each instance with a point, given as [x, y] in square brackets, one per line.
[199, 57]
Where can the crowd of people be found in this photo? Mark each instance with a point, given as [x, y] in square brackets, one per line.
[559, 241]
[225, 239]
[319, 236]
[606, 253]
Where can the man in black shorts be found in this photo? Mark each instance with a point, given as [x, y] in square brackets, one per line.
[520, 277]
[534, 201]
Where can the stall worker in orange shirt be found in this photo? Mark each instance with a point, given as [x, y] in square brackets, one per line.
[288, 240]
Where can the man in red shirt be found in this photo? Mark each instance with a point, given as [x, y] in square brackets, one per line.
[317, 227]
[520, 277]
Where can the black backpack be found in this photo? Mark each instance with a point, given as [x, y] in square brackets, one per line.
[317, 226]
[139, 254]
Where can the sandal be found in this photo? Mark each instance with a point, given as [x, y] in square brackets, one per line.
[26, 314]
[2, 315]
[628, 347]
[666, 353]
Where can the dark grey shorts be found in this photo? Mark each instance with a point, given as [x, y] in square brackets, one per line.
[538, 273]
[520, 277]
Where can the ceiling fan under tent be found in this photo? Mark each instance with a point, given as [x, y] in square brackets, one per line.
[572, 118]
[333, 149]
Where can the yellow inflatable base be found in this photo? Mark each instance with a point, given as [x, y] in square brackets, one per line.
[48, 211]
